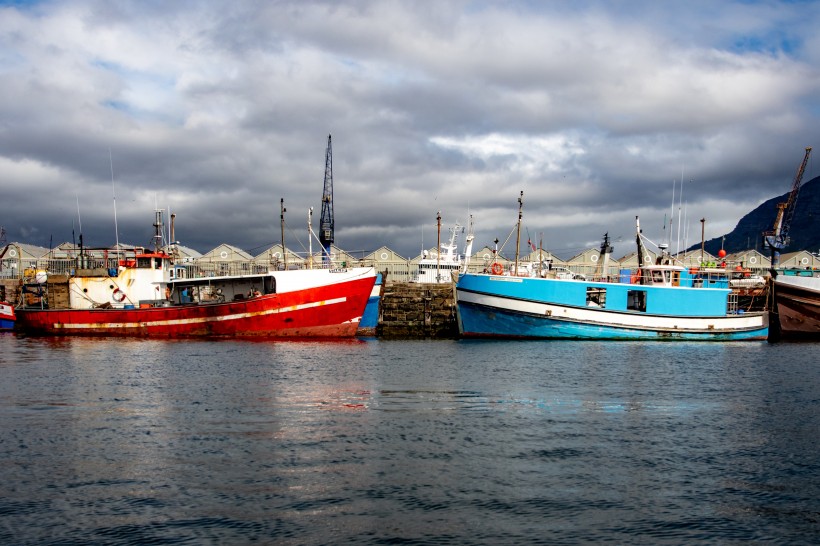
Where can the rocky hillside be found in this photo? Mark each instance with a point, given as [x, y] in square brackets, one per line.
[804, 232]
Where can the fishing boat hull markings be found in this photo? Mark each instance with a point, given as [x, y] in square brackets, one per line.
[333, 310]
[482, 315]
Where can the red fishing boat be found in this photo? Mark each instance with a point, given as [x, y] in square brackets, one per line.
[139, 298]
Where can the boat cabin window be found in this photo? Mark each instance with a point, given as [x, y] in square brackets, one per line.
[596, 297]
[657, 277]
[144, 263]
[636, 300]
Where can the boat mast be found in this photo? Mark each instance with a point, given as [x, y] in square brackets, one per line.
[603, 262]
[639, 242]
[282, 211]
[680, 204]
[468, 249]
[438, 248]
[114, 193]
[158, 229]
[518, 234]
[80, 256]
[172, 234]
[310, 238]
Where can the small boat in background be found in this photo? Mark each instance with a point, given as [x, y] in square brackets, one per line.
[439, 269]
[7, 316]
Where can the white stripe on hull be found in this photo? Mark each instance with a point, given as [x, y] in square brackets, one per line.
[200, 320]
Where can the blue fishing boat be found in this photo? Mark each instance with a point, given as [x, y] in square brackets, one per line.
[658, 301]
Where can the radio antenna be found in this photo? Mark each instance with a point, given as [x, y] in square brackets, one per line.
[114, 193]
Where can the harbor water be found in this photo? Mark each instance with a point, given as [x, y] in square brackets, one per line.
[117, 441]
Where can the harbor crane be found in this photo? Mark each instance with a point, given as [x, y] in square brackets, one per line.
[326, 223]
[778, 237]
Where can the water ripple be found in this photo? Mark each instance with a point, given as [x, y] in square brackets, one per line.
[144, 442]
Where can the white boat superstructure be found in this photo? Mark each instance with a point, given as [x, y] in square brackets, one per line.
[437, 268]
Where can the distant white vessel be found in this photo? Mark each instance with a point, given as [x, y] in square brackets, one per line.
[439, 269]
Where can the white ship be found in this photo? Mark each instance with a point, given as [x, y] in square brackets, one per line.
[438, 268]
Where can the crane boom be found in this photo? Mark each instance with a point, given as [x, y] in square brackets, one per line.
[791, 203]
[326, 224]
[778, 237]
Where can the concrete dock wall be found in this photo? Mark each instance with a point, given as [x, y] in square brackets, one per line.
[410, 310]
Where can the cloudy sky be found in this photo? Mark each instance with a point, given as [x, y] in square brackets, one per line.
[217, 110]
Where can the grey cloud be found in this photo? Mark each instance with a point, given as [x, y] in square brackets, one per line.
[220, 110]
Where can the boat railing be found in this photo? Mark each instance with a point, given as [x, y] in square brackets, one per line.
[732, 304]
[398, 270]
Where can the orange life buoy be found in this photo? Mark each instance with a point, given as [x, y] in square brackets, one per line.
[118, 295]
[496, 269]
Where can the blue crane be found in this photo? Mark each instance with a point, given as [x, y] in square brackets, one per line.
[778, 237]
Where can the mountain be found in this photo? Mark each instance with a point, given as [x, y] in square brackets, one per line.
[804, 232]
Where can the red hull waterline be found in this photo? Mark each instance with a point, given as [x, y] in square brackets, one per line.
[327, 311]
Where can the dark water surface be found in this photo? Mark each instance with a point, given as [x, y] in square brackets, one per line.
[407, 442]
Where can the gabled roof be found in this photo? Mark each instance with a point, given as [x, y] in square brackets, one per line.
[742, 253]
[696, 253]
[275, 253]
[24, 251]
[538, 255]
[750, 258]
[432, 252]
[336, 255]
[385, 254]
[227, 253]
[695, 258]
[590, 256]
[485, 254]
[183, 251]
[632, 258]
[800, 259]
[790, 255]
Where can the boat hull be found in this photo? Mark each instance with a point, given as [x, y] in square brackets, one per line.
[7, 317]
[499, 315]
[370, 318]
[797, 302]
[332, 310]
